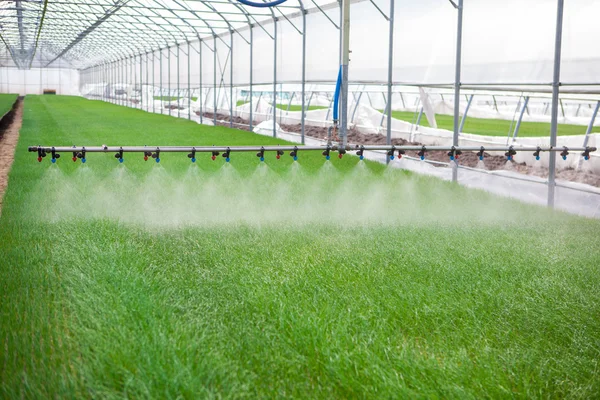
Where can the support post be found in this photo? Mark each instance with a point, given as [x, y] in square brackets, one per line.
[555, 93]
[464, 117]
[303, 115]
[589, 129]
[274, 77]
[189, 55]
[215, 81]
[345, 62]
[389, 82]
[251, 76]
[457, 85]
[518, 125]
[201, 95]
[231, 79]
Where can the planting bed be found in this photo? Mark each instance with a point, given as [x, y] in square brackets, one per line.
[306, 279]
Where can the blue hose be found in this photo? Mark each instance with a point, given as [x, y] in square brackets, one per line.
[262, 5]
[336, 96]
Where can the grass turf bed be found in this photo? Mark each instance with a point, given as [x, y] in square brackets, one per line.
[239, 280]
[6, 102]
[495, 127]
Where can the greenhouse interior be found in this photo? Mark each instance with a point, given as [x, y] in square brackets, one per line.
[299, 198]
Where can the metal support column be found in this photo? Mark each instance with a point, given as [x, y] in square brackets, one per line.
[518, 125]
[345, 62]
[161, 82]
[589, 129]
[303, 115]
[201, 95]
[390, 70]
[274, 76]
[177, 96]
[189, 55]
[251, 77]
[169, 96]
[215, 81]
[464, 117]
[555, 93]
[231, 79]
[457, 85]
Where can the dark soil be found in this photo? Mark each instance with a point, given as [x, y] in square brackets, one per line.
[10, 124]
[468, 159]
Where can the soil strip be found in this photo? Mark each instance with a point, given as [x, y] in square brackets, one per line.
[9, 136]
[467, 159]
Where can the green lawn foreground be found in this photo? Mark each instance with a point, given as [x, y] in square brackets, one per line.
[401, 286]
[6, 102]
[495, 127]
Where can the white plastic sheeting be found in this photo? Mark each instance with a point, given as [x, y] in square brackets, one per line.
[35, 80]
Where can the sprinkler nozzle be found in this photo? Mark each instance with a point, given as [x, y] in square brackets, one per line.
[341, 153]
[192, 155]
[156, 155]
[390, 153]
[147, 154]
[119, 155]
[422, 153]
[360, 152]
[564, 153]
[536, 153]
[261, 154]
[294, 153]
[226, 155]
[510, 153]
[55, 156]
[326, 152]
[586, 153]
[480, 153]
[279, 154]
[41, 154]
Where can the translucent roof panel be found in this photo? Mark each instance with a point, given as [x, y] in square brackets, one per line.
[87, 32]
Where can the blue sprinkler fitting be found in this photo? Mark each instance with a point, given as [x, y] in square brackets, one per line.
[326, 157]
[227, 159]
[121, 160]
[53, 160]
[362, 157]
[537, 158]
[193, 159]
[451, 158]
[480, 158]
[295, 158]
[262, 159]
[157, 159]
[83, 160]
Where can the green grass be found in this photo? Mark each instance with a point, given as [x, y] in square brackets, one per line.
[173, 98]
[280, 279]
[6, 102]
[284, 107]
[495, 127]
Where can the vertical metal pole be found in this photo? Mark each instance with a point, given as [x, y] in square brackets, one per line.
[274, 76]
[169, 95]
[390, 69]
[251, 76]
[464, 117]
[161, 82]
[345, 62]
[589, 129]
[518, 125]
[189, 55]
[555, 93]
[419, 117]
[457, 85]
[231, 79]
[215, 81]
[153, 82]
[178, 74]
[303, 117]
[201, 96]
[141, 86]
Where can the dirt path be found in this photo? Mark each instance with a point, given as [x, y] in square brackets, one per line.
[9, 135]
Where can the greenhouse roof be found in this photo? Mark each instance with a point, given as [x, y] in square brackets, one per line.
[86, 32]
